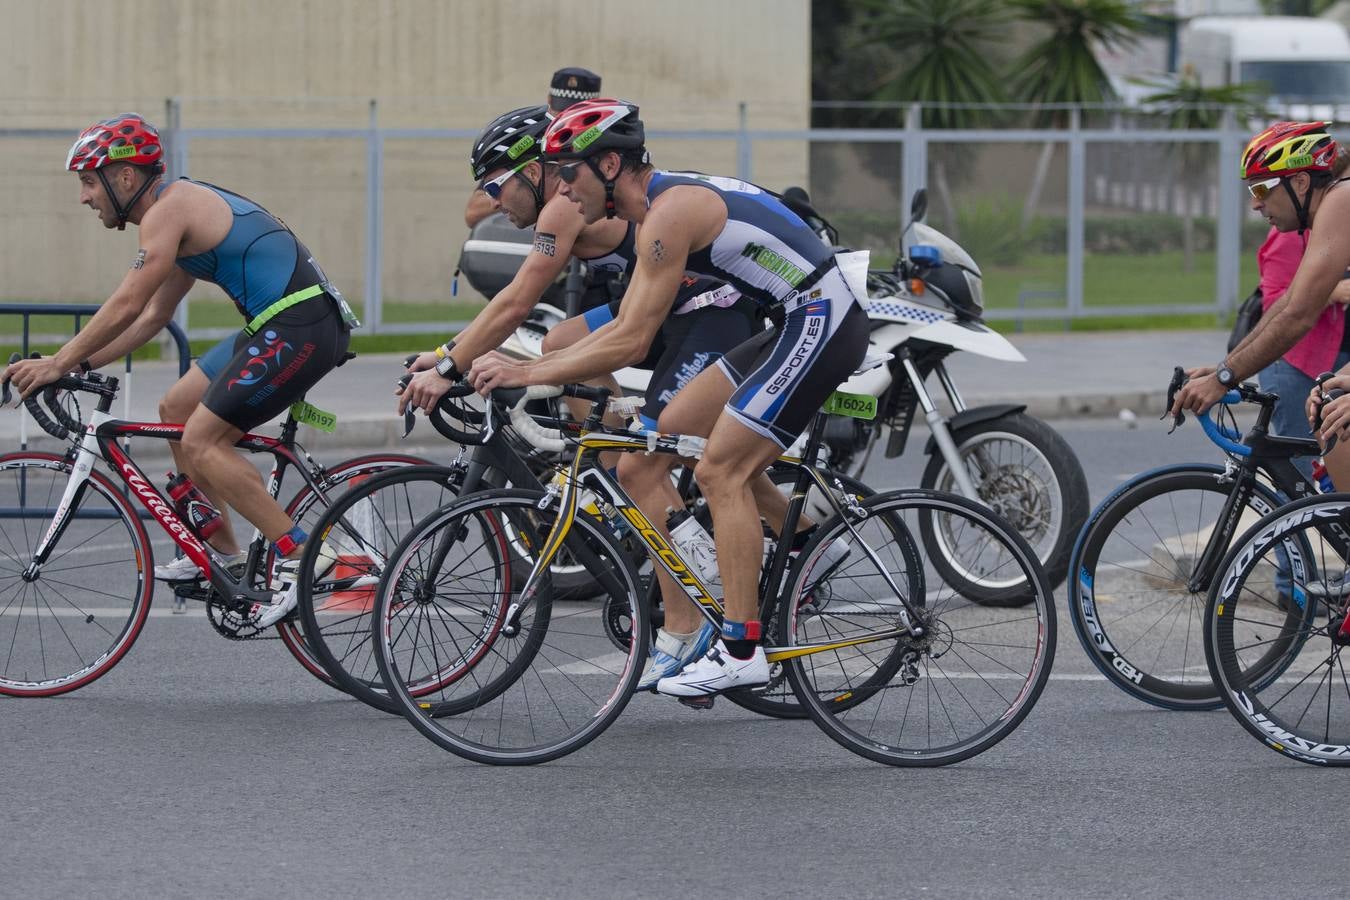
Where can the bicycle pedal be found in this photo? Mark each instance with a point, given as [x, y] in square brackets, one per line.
[190, 590]
[705, 702]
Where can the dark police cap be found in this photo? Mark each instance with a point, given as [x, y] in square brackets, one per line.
[572, 85]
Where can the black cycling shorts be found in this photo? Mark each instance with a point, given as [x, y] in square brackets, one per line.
[684, 346]
[272, 369]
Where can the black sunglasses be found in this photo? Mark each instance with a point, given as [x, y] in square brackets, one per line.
[568, 173]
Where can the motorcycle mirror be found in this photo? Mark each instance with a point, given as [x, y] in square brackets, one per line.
[918, 206]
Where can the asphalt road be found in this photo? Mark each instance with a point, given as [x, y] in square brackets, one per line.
[202, 767]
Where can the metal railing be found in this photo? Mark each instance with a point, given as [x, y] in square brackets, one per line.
[1083, 128]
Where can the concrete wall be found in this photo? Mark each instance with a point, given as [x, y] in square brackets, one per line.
[318, 63]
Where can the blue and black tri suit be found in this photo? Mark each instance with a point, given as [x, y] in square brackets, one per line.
[298, 325]
[783, 375]
[707, 318]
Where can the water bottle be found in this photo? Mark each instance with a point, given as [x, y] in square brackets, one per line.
[1322, 478]
[192, 506]
[696, 548]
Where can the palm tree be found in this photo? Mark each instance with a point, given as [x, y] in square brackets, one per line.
[1189, 105]
[1062, 66]
[947, 54]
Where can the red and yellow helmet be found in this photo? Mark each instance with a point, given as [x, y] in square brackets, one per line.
[1288, 147]
[122, 139]
[594, 126]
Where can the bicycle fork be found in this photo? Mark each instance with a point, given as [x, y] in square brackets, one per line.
[81, 468]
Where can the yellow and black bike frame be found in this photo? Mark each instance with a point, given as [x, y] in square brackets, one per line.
[616, 505]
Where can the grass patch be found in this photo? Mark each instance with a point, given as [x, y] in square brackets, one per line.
[1109, 280]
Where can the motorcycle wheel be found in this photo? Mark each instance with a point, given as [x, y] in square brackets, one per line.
[1028, 474]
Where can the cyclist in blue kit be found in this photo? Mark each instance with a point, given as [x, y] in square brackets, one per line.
[297, 324]
[758, 397]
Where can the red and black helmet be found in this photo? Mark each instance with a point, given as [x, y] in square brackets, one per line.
[122, 139]
[1288, 147]
[594, 126]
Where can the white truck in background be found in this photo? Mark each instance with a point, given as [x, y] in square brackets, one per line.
[1301, 63]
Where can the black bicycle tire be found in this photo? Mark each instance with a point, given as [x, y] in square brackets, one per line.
[1042, 600]
[417, 711]
[1262, 722]
[367, 690]
[1128, 671]
[336, 478]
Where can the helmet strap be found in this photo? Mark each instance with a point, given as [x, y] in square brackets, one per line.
[124, 210]
[610, 211]
[536, 189]
[1300, 208]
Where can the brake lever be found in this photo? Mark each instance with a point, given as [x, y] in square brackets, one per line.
[1178, 379]
[409, 412]
[4, 389]
[1326, 397]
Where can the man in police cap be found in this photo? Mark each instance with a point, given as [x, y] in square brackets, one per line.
[570, 85]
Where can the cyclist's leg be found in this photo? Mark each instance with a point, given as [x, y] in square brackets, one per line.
[787, 376]
[267, 373]
[646, 479]
[177, 405]
[683, 397]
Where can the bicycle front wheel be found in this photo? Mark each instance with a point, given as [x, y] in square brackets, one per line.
[68, 622]
[305, 509]
[1130, 599]
[963, 684]
[356, 535]
[1275, 652]
[485, 672]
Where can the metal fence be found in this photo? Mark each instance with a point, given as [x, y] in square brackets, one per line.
[1113, 167]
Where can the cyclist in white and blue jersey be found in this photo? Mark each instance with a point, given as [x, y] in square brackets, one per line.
[761, 394]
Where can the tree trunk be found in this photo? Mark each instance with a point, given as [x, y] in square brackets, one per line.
[1037, 184]
[943, 189]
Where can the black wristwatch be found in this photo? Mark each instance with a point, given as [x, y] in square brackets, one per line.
[1226, 376]
[446, 368]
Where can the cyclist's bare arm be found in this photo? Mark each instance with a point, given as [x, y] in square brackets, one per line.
[161, 233]
[554, 236]
[157, 313]
[1293, 315]
[664, 242]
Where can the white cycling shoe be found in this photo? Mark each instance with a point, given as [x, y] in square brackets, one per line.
[182, 568]
[287, 589]
[672, 654]
[715, 672]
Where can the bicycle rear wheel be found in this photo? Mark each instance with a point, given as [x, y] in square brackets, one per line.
[1276, 656]
[777, 699]
[360, 531]
[70, 622]
[957, 690]
[306, 508]
[485, 672]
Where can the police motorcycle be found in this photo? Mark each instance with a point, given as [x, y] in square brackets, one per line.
[922, 310]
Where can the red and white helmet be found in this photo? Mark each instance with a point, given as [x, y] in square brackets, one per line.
[594, 126]
[122, 139]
